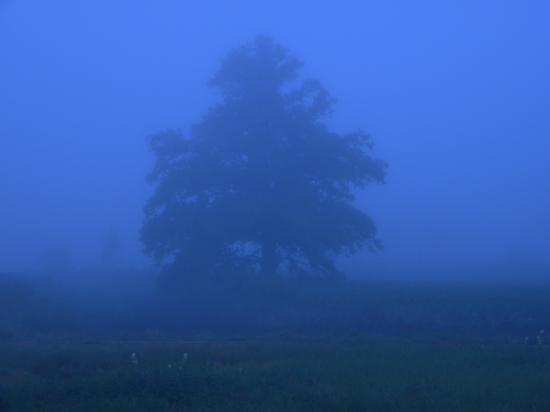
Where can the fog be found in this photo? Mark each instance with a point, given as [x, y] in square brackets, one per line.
[456, 96]
[190, 221]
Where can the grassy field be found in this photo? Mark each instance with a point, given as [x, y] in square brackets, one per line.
[354, 374]
[357, 346]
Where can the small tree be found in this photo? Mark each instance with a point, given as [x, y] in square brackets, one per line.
[262, 183]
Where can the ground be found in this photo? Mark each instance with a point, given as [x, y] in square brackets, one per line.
[359, 373]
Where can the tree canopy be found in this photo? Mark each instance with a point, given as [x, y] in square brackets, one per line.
[261, 184]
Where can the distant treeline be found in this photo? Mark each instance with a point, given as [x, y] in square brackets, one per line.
[32, 307]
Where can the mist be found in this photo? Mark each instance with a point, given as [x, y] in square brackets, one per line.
[190, 221]
[456, 97]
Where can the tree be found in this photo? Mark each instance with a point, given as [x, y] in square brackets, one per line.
[261, 184]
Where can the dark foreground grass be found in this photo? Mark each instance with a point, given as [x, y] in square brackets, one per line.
[366, 374]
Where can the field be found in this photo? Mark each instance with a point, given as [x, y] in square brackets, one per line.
[353, 374]
[371, 346]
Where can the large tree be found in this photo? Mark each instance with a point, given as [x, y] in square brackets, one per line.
[261, 184]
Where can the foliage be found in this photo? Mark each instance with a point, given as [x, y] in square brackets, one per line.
[261, 184]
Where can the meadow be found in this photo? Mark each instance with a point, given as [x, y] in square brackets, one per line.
[378, 346]
[356, 374]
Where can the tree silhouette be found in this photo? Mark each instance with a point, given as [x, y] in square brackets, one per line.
[261, 184]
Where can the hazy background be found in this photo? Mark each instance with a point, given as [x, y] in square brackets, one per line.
[456, 95]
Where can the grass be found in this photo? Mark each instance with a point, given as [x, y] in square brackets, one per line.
[380, 346]
[354, 374]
